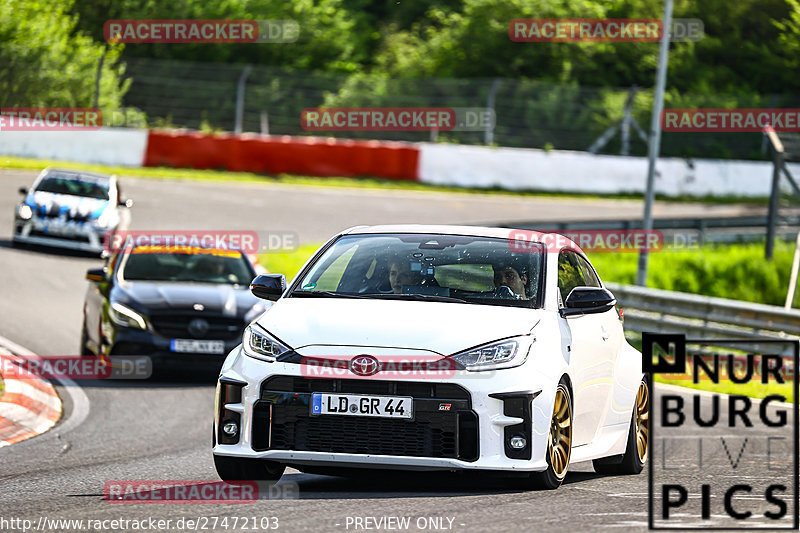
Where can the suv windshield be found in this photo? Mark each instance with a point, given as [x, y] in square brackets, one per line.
[187, 265]
[431, 267]
[74, 186]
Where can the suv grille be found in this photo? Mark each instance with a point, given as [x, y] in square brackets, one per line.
[282, 420]
[178, 326]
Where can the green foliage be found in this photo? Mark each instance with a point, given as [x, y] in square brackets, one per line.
[45, 62]
[736, 271]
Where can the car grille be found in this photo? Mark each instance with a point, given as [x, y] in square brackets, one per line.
[178, 326]
[282, 420]
[54, 211]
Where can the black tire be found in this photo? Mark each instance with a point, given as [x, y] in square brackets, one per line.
[552, 478]
[632, 462]
[240, 469]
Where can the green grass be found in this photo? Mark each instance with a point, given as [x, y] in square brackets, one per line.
[2, 387]
[736, 271]
[341, 182]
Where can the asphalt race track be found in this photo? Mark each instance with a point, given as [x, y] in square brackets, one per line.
[161, 430]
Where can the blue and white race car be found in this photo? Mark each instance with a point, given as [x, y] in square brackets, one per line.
[70, 209]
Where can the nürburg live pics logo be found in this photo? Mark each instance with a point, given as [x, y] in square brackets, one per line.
[724, 453]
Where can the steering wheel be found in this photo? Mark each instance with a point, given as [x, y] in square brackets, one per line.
[504, 292]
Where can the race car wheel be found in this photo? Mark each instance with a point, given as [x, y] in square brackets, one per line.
[239, 469]
[559, 444]
[632, 462]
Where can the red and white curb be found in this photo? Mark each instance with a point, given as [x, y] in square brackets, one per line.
[28, 407]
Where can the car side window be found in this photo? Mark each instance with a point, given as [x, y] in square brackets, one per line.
[589, 275]
[569, 273]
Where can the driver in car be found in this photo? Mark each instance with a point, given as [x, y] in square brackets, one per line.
[400, 274]
[511, 275]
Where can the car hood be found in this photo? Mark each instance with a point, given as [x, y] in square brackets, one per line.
[224, 299]
[443, 328]
[57, 204]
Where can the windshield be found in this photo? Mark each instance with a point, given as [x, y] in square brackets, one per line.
[74, 186]
[191, 265]
[436, 267]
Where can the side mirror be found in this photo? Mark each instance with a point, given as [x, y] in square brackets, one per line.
[23, 190]
[126, 202]
[586, 300]
[97, 274]
[268, 286]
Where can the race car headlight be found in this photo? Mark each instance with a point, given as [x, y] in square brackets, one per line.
[126, 317]
[259, 344]
[502, 354]
[25, 212]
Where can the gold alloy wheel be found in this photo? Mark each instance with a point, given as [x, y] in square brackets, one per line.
[560, 444]
[642, 421]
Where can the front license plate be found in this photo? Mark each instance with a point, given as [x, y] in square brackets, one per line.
[196, 346]
[359, 405]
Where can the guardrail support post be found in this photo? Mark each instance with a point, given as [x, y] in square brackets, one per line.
[774, 195]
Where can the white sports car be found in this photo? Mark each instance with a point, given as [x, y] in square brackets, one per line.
[434, 348]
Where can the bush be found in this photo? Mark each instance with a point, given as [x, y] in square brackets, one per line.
[738, 271]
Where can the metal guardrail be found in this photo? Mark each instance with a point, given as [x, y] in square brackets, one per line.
[705, 317]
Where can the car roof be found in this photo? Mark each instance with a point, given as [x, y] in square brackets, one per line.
[441, 229]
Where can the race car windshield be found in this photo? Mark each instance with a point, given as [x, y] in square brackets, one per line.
[74, 187]
[194, 266]
[448, 268]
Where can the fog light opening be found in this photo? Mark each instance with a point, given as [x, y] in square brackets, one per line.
[231, 429]
[518, 442]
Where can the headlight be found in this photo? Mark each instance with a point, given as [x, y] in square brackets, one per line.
[25, 212]
[126, 317]
[259, 344]
[502, 354]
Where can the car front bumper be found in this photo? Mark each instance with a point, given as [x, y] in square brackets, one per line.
[277, 426]
[137, 342]
[72, 235]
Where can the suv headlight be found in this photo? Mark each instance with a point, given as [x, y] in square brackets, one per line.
[507, 353]
[259, 344]
[126, 317]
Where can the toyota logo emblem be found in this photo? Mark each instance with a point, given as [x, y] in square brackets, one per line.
[364, 365]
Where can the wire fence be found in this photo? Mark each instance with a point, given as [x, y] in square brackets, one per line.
[529, 113]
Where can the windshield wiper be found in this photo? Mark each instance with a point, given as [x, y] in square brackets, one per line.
[420, 297]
